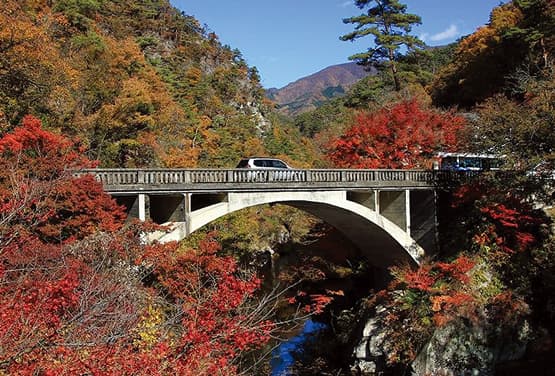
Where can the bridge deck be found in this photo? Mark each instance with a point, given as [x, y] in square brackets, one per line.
[238, 180]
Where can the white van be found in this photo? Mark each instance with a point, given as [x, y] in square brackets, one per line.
[263, 163]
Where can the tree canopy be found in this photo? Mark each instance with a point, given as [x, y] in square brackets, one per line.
[390, 25]
[406, 135]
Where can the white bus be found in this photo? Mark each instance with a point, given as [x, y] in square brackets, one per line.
[468, 162]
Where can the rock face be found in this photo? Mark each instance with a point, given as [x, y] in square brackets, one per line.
[458, 348]
[369, 353]
[452, 350]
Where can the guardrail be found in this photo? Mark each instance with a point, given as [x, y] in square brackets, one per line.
[120, 179]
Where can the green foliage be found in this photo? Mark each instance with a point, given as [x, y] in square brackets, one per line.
[147, 41]
[325, 117]
[91, 43]
[332, 91]
[537, 29]
[370, 91]
[390, 25]
[421, 66]
[287, 143]
[127, 153]
[78, 12]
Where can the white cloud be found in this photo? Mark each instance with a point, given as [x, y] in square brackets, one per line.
[451, 32]
[345, 4]
[424, 37]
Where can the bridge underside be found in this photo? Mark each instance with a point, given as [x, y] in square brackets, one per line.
[387, 226]
[382, 247]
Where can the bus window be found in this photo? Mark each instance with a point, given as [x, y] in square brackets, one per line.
[468, 161]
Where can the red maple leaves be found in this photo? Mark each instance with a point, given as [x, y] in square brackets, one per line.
[74, 297]
[403, 136]
[38, 193]
[213, 305]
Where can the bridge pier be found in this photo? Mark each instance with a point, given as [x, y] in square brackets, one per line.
[142, 200]
[414, 211]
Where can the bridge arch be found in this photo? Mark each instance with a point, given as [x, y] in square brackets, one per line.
[381, 240]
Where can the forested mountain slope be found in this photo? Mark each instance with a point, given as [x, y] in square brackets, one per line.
[140, 83]
[308, 93]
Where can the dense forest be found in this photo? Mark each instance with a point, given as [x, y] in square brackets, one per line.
[122, 83]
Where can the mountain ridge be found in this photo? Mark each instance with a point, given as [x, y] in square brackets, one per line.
[310, 92]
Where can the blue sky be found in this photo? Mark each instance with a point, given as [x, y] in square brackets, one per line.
[290, 39]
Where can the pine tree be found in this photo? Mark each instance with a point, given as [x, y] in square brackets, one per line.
[390, 25]
[537, 28]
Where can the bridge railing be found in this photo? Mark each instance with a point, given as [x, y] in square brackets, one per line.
[131, 180]
[122, 179]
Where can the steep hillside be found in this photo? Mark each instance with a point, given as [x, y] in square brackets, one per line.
[140, 83]
[310, 92]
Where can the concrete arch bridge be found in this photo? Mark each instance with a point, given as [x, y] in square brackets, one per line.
[390, 215]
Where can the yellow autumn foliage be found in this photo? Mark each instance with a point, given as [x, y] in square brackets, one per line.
[148, 331]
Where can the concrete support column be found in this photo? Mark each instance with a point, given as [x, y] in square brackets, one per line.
[187, 212]
[407, 211]
[142, 207]
[423, 219]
